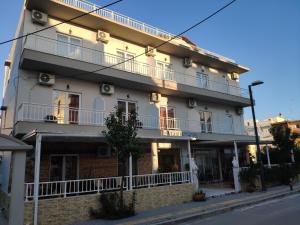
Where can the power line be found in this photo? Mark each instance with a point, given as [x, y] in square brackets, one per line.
[66, 21]
[165, 42]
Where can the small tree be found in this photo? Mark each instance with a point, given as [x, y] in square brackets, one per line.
[283, 140]
[121, 135]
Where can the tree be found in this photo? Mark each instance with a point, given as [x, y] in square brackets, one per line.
[283, 140]
[121, 135]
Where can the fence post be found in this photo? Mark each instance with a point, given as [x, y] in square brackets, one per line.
[170, 178]
[98, 185]
[149, 184]
[65, 189]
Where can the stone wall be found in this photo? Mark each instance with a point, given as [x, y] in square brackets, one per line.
[60, 211]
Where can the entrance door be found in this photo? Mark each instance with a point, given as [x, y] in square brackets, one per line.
[169, 160]
[63, 167]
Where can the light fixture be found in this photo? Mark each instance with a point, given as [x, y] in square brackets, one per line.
[257, 82]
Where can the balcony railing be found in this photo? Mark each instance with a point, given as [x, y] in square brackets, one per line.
[117, 17]
[67, 115]
[91, 55]
[68, 188]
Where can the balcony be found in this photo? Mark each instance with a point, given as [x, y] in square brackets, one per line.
[177, 81]
[56, 115]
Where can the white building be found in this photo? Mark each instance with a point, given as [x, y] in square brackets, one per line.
[61, 83]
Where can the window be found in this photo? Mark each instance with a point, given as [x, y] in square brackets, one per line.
[68, 46]
[206, 121]
[167, 118]
[164, 71]
[202, 80]
[126, 108]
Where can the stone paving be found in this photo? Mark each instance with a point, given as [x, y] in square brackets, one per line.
[192, 208]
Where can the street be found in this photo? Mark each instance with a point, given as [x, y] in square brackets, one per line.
[284, 211]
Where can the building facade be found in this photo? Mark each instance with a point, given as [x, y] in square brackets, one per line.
[61, 83]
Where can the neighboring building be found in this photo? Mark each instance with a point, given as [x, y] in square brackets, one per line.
[294, 125]
[263, 127]
[182, 94]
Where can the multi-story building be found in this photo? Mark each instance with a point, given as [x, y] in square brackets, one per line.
[61, 83]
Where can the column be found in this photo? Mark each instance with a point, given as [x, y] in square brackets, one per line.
[154, 154]
[16, 217]
[292, 156]
[220, 164]
[37, 162]
[130, 172]
[190, 160]
[236, 169]
[268, 156]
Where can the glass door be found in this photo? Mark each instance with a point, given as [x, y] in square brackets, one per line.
[68, 46]
[73, 108]
[126, 108]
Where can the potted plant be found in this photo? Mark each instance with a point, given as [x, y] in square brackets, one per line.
[199, 196]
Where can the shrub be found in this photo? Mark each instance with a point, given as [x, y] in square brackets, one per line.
[112, 207]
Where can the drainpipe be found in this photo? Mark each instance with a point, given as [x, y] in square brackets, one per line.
[37, 175]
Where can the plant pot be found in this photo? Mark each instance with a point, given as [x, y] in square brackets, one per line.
[198, 197]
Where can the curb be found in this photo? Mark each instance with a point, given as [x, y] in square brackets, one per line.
[223, 210]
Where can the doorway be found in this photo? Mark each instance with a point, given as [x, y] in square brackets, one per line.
[169, 160]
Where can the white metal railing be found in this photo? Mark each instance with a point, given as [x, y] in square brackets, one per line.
[62, 114]
[59, 114]
[92, 55]
[98, 185]
[119, 18]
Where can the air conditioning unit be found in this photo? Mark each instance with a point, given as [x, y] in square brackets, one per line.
[239, 111]
[46, 79]
[107, 89]
[103, 36]
[155, 97]
[39, 17]
[150, 51]
[187, 62]
[192, 103]
[234, 76]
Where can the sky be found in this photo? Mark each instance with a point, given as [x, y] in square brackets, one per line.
[263, 35]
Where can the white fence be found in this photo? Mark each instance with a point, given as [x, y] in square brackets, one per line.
[91, 55]
[98, 185]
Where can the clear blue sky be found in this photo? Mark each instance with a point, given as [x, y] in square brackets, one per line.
[263, 35]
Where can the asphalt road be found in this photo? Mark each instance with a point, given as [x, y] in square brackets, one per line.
[284, 211]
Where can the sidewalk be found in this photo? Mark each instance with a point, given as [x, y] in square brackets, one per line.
[213, 206]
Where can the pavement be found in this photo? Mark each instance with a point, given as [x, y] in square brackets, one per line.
[282, 211]
[182, 213]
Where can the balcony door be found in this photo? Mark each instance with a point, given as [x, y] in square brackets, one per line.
[66, 107]
[128, 57]
[126, 108]
[167, 118]
[202, 80]
[164, 71]
[68, 46]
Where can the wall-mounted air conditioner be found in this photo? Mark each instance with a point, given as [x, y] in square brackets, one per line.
[46, 79]
[192, 103]
[155, 97]
[187, 62]
[150, 51]
[234, 76]
[107, 89]
[239, 111]
[39, 17]
[103, 36]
